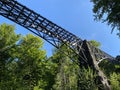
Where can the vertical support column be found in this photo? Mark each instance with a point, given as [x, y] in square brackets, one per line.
[88, 55]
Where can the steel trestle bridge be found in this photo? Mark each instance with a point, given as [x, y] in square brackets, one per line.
[54, 34]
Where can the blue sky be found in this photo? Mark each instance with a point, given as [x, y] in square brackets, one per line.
[76, 16]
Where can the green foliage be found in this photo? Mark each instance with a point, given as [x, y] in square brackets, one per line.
[107, 11]
[29, 61]
[69, 73]
[24, 66]
[109, 67]
[21, 60]
[95, 43]
[87, 79]
[65, 70]
[112, 70]
[8, 40]
[115, 81]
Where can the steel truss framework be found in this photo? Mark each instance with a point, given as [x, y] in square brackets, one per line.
[44, 28]
[54, 34]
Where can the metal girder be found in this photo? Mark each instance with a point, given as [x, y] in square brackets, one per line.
[44, 28]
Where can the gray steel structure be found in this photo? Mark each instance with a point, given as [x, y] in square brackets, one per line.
[54, 34]
[44, 28]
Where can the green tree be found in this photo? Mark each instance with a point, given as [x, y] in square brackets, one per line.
[48, 75]
[30, 60]
[8, 40]
[115, 81]
[112, 70]
[68, 72]
[95, 43]
[107, 11]
[65, 70]
[87, 79]
[22, 60]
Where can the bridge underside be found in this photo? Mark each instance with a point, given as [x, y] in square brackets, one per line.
[54, 34]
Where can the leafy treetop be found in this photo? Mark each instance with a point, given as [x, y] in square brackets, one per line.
[108, 11]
